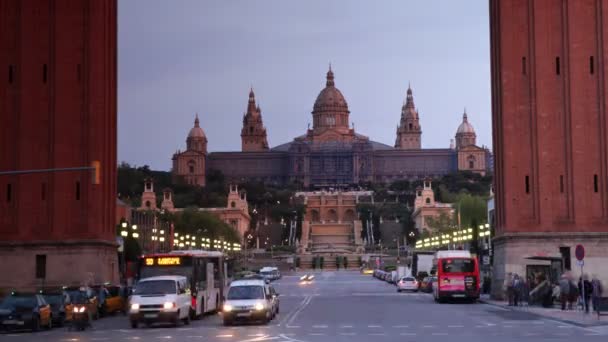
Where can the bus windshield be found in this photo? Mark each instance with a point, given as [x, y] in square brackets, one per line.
[457, 266]
[154, 271]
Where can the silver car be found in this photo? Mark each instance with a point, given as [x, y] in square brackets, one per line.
[407, 284]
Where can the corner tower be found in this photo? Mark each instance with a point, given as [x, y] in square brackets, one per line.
[408, 131]
[253, 134]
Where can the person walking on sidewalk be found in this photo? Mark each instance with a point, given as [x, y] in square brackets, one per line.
[517, 287]
[564, 290]
[585, 296]
[509, 287]
[596, 292]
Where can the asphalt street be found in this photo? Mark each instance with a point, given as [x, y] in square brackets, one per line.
[345, 306]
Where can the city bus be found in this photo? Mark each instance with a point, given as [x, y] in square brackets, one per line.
[209, 273]
[457, 276]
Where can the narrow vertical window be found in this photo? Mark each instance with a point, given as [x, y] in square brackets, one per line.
[561, 183]
[595, 185]
[557, 66]
[43, 191]
[40, 266]
[527, 184]
[523, 65]
[44, 73]
[78, 191]
[9, 192]
[10, 74]
[591, 65]
[78, 72]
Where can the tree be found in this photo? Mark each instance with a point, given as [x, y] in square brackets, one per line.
[441, 223]
[199, 223]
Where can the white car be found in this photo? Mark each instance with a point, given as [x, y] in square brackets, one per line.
[407, 284]
[163, 299]
[250, 300]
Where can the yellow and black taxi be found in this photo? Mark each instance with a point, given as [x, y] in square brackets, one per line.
[110, 298]
[61, 307]
[83, 295]
[22, 310]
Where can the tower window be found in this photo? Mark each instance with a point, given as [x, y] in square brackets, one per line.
[44, 73]
[527, 184]
[591, 65]
[410, 127]
[9, 192]
[251, 129]
[10, 74]
[523, 65]
[78, 190]
[428, 200]
[43, 191]
[471, 164]
[595, 185]
[561, 183]
[557, 66]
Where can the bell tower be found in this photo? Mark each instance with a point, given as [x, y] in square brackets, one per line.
[408, 131]
[253, 134]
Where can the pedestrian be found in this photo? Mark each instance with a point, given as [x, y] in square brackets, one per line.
[564, 291]
[585, 290]
[509, 287]
[516, 289]
[574, 291]
[596, 292]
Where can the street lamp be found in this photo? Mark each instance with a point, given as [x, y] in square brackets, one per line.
[135, 235]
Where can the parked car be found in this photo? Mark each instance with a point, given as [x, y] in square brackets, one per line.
[60, 305]
[387, 276]
[163, 299]
[25, 311]
[249, 300]
[407, 284]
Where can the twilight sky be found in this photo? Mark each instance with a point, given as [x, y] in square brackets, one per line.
[178, 58]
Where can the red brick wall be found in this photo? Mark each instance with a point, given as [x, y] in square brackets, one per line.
[67, 121]
[549, 127]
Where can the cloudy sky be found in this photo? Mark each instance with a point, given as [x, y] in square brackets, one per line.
[178, 58]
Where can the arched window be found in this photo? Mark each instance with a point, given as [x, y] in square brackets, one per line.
[411, 127]
[191, 165]
[332, 216]
[147, 204]
[349, 215]
[471, 164]
[232, 204]
[315, 216]
[251, 129]
[428, 200]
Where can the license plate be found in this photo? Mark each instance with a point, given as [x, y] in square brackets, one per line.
[150, 315]
[243, 315]
[458, 296]
[12, 321]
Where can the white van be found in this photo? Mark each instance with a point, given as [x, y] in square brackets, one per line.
[250, 300]
[163, 299]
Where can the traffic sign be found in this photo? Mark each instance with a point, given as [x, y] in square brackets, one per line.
[579, 252]
[580, 263]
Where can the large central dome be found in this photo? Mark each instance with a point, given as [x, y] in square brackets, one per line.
[330, 109]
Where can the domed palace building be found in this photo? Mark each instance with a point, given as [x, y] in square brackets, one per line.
[331, 153]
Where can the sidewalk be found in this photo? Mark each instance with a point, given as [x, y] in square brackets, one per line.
[575, 317]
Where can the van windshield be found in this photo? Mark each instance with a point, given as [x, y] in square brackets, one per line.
[153, 287]
[246, 292]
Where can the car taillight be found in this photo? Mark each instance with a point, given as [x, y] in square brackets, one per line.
[193, 302]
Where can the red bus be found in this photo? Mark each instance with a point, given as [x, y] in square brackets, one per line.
[457, 276]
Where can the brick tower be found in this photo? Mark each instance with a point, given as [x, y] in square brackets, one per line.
[549, 122]
[253, 134]
[408, 131]
[57, 110]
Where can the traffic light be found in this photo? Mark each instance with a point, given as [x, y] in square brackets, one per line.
[96, 177]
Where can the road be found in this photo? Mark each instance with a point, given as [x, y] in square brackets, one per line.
[344, 306]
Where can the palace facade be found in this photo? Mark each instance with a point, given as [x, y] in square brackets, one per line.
[331, 153]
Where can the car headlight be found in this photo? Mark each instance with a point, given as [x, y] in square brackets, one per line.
[259, 307]
[134, 306]
[82, 309]
[169, 305]
[79, 309]
[227, 308]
